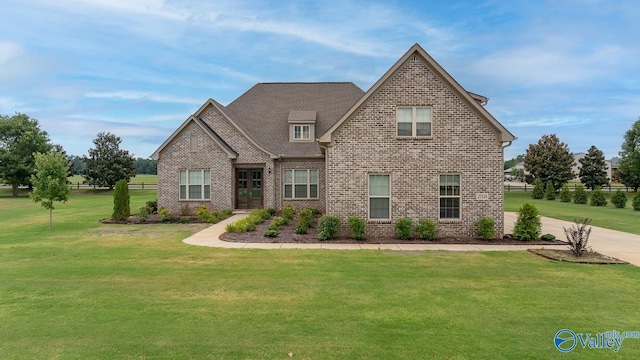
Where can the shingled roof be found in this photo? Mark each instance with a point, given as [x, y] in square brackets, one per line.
[263, 112]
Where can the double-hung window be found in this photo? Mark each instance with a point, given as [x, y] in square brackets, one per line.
[301, 184]
[379, 197]
[195, 184]
[449, 196]
[413, 121]
[302, 132]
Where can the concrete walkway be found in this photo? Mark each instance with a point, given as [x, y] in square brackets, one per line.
[613, 243]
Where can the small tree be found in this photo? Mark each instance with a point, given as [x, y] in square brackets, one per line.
[598, 198]
[578, 236]
[550, 161]
[538, 189]
[121, 208]
[50, 180]
[579, 195]
[528, 226]
[565, 194]
[629, 165]
[619, 199]
[549, 192]
[593, 169]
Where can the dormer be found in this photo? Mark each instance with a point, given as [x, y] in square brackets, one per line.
[302, 126]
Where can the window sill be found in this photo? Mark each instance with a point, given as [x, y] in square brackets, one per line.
[414, 137]
[379, 221]
[194, 200]
[300, 199]
[449, 221]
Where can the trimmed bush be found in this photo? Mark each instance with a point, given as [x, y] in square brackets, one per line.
[185, 210]
[279, 221]
[598, 198]
[288, 213]
[121, 209]
[300, 229]
[271, 211]
[152, 205]
[306, 217]
[565, 194]
[538, 189]
[271, 233]
[548, 237]
[426, 229]
[404, 228]
[528, 225]
[486, 228]
[184, 219]
[357, 226]
[164, 214]
[619, 199]
[550, 192]
[636, 202]
[328, 227]
[226, 213]
[144, 213]
[203, 214]
[579, 195]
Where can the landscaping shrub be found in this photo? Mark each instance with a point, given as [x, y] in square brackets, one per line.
[565, 194]
[144, 213]
[306, 217]
[597, 197]
[486, 228]
[279, 221]
[636, 202]
[357, 226]
[271, 233]
[273, 226]
[227, 213]
[538, 189]
[550, 192]
[184, 219]
[301, 229]
[202, 213]
[404, 228]
[258, 216]
[164, 214]
[579, 195]
[288, 213]
[578, 236]
[528, 225]
[121, 209]
[548, 237]
[426, 229]
[619, 199]
[185, 210]
[152, 205]
[328, 227]
[271, 211]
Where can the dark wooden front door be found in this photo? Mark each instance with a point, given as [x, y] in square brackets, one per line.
[248, 188]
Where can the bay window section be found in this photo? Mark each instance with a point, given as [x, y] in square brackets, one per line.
[379, 197]
[195, 184]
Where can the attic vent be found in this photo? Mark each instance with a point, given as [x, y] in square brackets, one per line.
[414, 58]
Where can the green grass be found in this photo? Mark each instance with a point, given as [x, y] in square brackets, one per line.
[138, 179]
[608, 217]
[89, 291]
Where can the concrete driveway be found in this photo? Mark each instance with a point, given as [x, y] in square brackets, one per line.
[617, 244]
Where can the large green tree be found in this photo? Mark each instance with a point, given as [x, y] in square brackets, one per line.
[20, 138]
[629, 164]
[593, 169]
[107, 163]
[550, 161]
[50, 180]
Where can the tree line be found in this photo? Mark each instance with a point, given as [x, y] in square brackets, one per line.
[22, 139]
[550, 161]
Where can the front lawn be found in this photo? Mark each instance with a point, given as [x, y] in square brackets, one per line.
[608, 217]
[90, 291]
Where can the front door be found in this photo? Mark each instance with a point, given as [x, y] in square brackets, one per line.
[248, 188]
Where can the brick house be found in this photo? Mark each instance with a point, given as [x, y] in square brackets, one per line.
[416, 144]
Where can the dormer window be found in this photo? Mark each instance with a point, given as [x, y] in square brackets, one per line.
[302, 125]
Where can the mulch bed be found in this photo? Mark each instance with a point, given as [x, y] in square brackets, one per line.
[155, 219]
[588, 257]
[288, 236]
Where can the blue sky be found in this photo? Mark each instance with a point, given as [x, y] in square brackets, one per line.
[139, 68]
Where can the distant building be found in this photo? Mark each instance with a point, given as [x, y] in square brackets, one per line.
[577, 166]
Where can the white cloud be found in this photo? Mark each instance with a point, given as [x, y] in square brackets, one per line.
[133, 95]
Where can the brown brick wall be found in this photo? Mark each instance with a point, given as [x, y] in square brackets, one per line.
[462, 143]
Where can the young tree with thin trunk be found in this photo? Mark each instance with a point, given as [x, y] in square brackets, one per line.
[629, 165]
[50, 180]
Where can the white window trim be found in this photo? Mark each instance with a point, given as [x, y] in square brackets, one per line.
[459, 196]
[369, 218]
[414, 122]
[293, 185]
[292, 132]
[202, 185]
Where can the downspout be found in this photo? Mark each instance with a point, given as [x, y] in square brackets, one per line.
[506, 146]
[326, 173]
